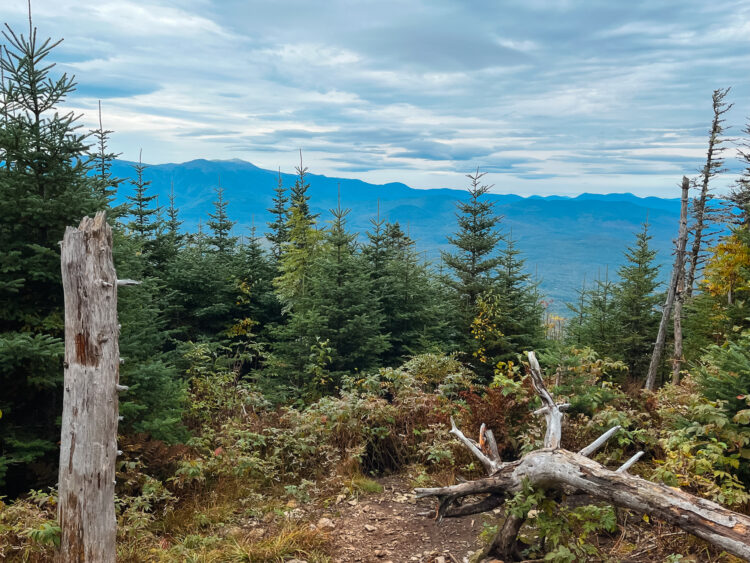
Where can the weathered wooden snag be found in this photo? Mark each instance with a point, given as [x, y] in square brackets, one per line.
[88, 447]
[557, 469]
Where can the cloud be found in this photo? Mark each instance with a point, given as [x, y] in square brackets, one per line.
[547, 96]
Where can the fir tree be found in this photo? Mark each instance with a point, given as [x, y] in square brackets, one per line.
[299, 198]
[413, 301]
[299, 252]
[279, 227]
[143, 208]
[637, 301]
[43, 188]
[100, 161]
[475, 259]
[339, 309]
[220, 225]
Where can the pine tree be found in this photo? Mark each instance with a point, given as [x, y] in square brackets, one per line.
[220, 225]
[279, 227]
[43, 188]
[637, 301]
[475, 258]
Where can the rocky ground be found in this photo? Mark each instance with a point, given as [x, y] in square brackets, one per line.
[394, 526]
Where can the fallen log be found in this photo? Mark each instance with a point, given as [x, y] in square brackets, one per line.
[556, 469]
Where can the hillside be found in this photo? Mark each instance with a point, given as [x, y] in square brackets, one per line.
[564, 239]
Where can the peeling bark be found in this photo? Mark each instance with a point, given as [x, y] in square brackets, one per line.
[88, 445]
[677, 272]
[556, 469]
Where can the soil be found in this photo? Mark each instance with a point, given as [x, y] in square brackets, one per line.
[395, 526]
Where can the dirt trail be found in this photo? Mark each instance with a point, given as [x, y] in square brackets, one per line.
[394, 526]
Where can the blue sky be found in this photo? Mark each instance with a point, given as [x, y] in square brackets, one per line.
[548, 97]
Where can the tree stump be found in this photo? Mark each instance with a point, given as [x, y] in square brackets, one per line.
[88, 447]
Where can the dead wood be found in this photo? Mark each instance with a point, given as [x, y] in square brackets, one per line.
[559, 470]
[88, 446]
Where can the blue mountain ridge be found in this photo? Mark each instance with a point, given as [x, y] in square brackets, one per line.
[564, 239]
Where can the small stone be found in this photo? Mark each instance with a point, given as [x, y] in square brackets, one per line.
[440, 559]
[379, 553]
[340, 499]
[370, 527]
[326, 524]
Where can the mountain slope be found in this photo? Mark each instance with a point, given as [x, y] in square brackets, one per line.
[563, 239]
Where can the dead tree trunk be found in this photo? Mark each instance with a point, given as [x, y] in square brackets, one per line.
[88, 446]
[560, 470]
[714, 165]
[679, 267]
[679, 302]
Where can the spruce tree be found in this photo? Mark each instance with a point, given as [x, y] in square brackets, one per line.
[44, 187]
[636, 302]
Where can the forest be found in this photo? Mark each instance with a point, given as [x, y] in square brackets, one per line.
[285, 384]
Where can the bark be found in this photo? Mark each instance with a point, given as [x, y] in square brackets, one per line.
[712, 167]
[678, 359]
[88, 446]
[678, 268]
[559, 470]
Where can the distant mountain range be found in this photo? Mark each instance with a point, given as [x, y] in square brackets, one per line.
[564, 240]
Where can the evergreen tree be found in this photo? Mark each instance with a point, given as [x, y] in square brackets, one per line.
[299, 198]
[298, 254]
[475, 259]
[172, 238]
[598, 319]
[220, 225]
[43, 188]
[412, 299]
[100, 161]
[279, 227]
[339, 310]
[637, 301]
[509, 318]
[142, 207]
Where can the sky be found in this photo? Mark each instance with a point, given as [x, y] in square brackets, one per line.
[547, 97]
